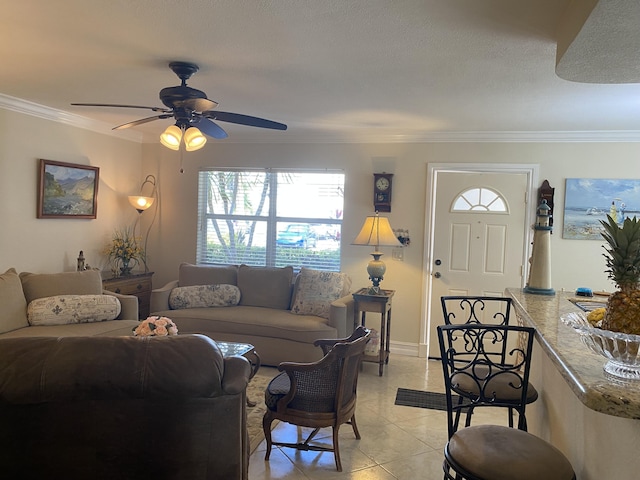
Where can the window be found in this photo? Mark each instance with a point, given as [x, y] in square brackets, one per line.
[270, 217]
[480, 199]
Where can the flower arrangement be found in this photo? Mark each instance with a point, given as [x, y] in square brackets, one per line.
[124, 251]
[155, 327]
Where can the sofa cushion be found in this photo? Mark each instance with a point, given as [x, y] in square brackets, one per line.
[265, 286]
[64, 309]
[198, 296]
[13, 314]
[189, 274]
[316, 289]
[255, 321]
[112, 328]
[39, 285]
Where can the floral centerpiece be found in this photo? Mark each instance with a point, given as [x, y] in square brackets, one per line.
[124, 251]
[156, 326]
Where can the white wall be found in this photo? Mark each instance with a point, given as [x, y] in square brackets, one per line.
[52, 245]
[575, 262]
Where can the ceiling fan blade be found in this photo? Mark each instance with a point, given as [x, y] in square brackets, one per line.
[244, 120]
[155, 109]
[141, 121]
[207, 127]
[196, 104]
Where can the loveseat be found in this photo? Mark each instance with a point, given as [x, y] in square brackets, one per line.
[162, 408]
[280, 314]
[63, 304]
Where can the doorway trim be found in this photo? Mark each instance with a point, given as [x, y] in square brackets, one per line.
[433, 169]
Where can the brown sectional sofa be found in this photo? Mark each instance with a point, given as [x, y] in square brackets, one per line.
[135, 408]
[269, 312]
[17, 291]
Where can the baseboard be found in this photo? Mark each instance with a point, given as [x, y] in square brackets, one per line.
[404, 348]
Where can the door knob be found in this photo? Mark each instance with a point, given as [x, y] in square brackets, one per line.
[437, 275]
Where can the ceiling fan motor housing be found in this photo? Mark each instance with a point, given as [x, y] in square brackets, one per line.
[173, 97]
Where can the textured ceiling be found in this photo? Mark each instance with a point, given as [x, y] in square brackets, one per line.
[333, 70]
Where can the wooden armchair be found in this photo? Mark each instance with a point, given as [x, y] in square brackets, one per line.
[319, 394]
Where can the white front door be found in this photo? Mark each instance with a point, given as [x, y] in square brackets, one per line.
[479, 237]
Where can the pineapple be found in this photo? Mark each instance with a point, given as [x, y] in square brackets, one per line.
[623, 267]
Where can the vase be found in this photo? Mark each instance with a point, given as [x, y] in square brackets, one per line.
[125, 268]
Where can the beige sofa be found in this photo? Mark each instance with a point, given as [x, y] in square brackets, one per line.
[18, 291]
[270, 308]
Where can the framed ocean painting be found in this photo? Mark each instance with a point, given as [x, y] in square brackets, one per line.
[589, 200]
[67, 190]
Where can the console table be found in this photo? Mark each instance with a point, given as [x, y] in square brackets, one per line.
[377, 303]
[138, 284]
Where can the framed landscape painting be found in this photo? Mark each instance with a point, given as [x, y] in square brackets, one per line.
[67, 190]
[589, 200]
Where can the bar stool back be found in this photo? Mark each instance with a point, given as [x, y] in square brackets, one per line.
[482, 310]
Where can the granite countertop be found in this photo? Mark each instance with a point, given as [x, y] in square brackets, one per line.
[580, 367]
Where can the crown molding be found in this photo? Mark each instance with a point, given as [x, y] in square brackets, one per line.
[445, 137]
[29, 108]
[47, 113]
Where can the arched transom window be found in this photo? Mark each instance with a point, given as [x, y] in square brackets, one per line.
[480, 199]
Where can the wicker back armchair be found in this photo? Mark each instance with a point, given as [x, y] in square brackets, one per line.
[319, 394]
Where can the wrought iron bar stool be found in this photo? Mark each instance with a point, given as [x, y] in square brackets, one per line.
[493, 452]
[482, 310]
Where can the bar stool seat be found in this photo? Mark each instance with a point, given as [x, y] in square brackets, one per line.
[501, 453]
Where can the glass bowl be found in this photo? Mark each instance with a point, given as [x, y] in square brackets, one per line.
[620, 349]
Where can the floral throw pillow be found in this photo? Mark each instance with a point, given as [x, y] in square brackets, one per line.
[316, 289]
[202, 296]
[65, 309]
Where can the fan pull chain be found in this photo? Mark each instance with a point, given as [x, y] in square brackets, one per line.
[181, 158]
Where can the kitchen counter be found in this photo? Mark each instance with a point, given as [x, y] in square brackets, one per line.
[580, 367]
[591, 418]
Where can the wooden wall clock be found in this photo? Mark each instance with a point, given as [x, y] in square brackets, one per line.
[382, 191]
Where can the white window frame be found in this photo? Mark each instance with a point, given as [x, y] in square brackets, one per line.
[274, 221]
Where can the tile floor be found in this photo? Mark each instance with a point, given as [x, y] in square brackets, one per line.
[397, 442]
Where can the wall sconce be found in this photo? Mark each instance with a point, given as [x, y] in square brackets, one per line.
[173, 135]
[142, 203]
[376, 232]
[403, 237]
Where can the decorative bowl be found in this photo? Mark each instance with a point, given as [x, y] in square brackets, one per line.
[620, 349]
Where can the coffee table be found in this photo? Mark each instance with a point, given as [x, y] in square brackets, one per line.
[246, 350]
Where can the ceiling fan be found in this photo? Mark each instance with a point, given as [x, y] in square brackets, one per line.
[193, 112]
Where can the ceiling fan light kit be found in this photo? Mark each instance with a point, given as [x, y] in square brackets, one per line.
[194, 139]
[171, 137]
[188, 107]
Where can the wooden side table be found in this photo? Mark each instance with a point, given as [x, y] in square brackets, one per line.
[138, 284]
[379, 303]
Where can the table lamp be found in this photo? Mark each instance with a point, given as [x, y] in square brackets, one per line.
[376, 232]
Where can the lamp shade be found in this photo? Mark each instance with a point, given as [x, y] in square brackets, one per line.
[171, 137]
[140, 203]
[194, 139]
[377, 232]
